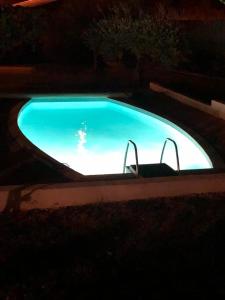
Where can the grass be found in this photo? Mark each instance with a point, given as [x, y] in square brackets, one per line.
[133, 250]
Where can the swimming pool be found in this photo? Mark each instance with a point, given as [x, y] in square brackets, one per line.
[90, 134]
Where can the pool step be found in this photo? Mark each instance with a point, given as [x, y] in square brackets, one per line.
[152, 170]
[163, 170]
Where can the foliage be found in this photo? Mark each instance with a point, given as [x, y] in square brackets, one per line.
[8, 32]
[137, 32]
[20, 31]
[93, 40]
[109, 35]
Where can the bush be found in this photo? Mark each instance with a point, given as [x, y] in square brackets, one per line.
[140, 34]
[21, 31]
[108, 37]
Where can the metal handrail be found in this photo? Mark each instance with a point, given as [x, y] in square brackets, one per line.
[136, 157]
[176, 150]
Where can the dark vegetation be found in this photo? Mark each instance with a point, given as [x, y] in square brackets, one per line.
[136, 250]
[22, 33]
[58, 34]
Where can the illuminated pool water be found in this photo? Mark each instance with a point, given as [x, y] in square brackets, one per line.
[90, 134]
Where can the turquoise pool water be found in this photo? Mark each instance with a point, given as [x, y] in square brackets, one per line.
[90, 134]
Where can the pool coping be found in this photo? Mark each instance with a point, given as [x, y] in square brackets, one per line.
[82, 190]
[21, 141]
[217, 161]
[53, 196]
[35, 152]
[213, 155]
[71, 174]
[215, 108]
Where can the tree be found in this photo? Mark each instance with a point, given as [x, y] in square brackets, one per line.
[7, 32]
[93, 40]
[108, 36]
[21, 31]
[137, 32]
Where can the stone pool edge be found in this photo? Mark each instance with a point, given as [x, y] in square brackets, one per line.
[20, 140]
[18, 136]
[84, 190]
[53, 196]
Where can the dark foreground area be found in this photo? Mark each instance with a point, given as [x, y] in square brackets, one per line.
[135, 250]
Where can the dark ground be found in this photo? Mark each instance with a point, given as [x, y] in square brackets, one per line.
[135, 250]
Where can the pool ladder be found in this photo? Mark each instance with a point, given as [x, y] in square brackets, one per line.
[176, 151]
[130, 142]
[147, 170]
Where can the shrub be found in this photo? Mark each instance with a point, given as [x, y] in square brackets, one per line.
[21, 31]
[141, 34]
[109, 36]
